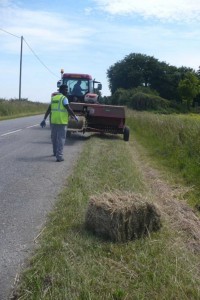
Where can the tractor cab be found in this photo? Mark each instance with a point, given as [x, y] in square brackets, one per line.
[81, 87]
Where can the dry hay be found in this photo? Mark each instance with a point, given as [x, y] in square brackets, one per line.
[121, 216]
[170, 201]
[73, 124]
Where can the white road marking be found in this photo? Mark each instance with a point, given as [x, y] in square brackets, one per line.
[10, 132]
[32, 126]
[14, 131]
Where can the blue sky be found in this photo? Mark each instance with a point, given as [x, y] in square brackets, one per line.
[88, 36]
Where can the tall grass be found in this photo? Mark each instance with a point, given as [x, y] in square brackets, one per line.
[71, 263]
[173, 140]
[17, 108]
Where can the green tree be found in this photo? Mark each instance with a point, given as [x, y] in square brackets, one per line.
[137, 70]
[198, 72]
[133, 71]
[189, 88]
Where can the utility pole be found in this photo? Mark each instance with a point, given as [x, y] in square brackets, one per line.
[20, 72]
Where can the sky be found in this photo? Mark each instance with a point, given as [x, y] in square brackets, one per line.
[89, 36]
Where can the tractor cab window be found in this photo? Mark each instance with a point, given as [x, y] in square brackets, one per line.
[77, 87]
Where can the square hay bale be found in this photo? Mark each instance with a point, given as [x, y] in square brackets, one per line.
[121, 216]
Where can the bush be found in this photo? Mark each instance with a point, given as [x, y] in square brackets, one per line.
[140, 98]
[143, 101]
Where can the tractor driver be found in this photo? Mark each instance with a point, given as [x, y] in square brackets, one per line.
[77, 89]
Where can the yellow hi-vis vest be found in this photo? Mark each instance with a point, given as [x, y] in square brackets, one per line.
[59, 114]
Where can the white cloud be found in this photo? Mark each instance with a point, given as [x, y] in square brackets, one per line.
[5, 2]
[91, 42]
[88, 11]
[170, 10]
[43, 30]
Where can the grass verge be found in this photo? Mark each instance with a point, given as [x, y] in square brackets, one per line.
[173, 142]
[70, 263]
[13, 108]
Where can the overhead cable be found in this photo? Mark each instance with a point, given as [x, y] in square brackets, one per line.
[10, 33]
[31, 50]
[39, 58]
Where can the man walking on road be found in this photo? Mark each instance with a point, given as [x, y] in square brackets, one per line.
[59, 110]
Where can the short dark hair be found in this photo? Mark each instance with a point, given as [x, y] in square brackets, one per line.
[63, 87]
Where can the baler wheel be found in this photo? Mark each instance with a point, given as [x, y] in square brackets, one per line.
[126, 134]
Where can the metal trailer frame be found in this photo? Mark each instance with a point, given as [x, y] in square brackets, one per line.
[98, 118]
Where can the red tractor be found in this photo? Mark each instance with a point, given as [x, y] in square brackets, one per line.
[93, 117]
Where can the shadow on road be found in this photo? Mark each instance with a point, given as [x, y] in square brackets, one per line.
[104, 136]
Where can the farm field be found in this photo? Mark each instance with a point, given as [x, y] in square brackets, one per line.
[14, 108]
[72, 263]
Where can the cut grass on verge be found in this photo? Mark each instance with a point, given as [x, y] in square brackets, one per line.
[71, 263]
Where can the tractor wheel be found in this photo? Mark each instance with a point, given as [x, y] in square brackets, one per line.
[126, 134]
[68, 134]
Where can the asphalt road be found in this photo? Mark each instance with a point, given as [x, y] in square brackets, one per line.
[30, 180]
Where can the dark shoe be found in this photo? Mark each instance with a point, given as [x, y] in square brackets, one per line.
[60, 159]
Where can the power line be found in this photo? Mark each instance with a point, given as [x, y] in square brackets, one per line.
[39, 59]
[10, 33]
[31, 50]
[22, 39]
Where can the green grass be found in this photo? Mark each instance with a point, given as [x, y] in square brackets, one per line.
[14, 108]
[173, 141]
[71, 263]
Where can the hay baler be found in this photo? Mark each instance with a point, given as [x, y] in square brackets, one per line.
[93, 116]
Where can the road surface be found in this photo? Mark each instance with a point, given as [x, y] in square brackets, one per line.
[30, 180]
